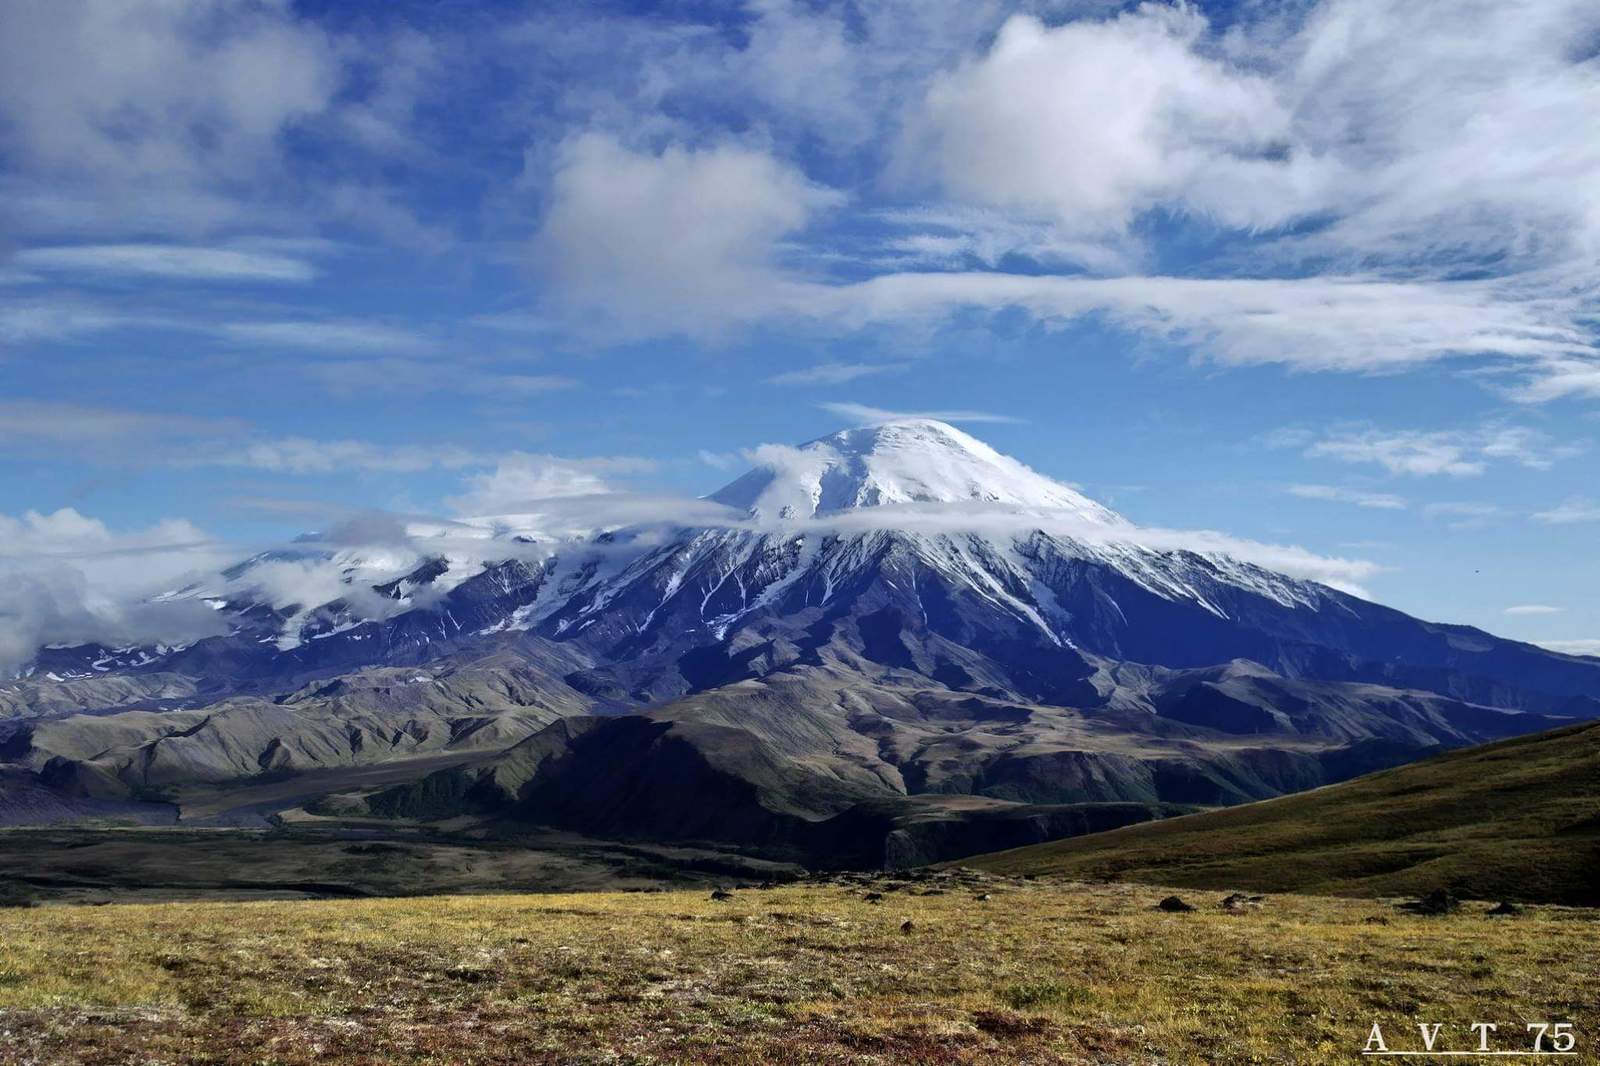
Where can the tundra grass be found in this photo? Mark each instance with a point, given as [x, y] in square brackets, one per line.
[1038, 972]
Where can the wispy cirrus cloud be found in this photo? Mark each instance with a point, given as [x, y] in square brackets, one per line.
[302, 455]
[1572, 510]
[107, 434]
[319, 335]
[1559, 378]
[29, 321]
[54, 318]
[947, 236]
[1430, 453]
[364, 373]
[1573, 647]
[1464, 514]
[1383, 501]
[519, 386]
[863, 413]
[118, 436]
[834, 373]
[1359, 324]
[166, 261]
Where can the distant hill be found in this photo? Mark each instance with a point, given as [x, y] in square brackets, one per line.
[1517, 819]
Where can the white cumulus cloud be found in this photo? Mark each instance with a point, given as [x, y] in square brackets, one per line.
[1098, 121]
[680, 240]
[68, 577]
[521, 482]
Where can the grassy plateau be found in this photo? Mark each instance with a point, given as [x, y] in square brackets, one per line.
[990, 969]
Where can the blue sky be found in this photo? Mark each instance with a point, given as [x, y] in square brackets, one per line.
[1320, 275]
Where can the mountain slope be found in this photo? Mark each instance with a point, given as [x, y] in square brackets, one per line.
[829, 766]
[369, 717]
[1519, 819]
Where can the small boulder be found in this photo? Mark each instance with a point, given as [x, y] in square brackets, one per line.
[1505, 907]
[983, 897]
[1439, 901]
[1173, 905]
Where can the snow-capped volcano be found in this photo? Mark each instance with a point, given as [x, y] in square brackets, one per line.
[912, 522]
[890, 610]
[905, 461]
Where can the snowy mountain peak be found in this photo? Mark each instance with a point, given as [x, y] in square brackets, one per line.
[905, 461]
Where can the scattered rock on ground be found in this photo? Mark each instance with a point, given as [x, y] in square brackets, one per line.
[1174, 905]
[1439, 901]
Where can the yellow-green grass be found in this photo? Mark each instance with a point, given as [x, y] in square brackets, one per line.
[1518, 819]
[1040, 972]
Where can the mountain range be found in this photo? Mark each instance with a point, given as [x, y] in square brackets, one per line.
[890, 645]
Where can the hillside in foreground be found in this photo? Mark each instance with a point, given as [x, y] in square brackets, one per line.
[1519, 819]
[990, 970]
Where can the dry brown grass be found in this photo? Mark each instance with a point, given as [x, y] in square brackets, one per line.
[805, 973]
